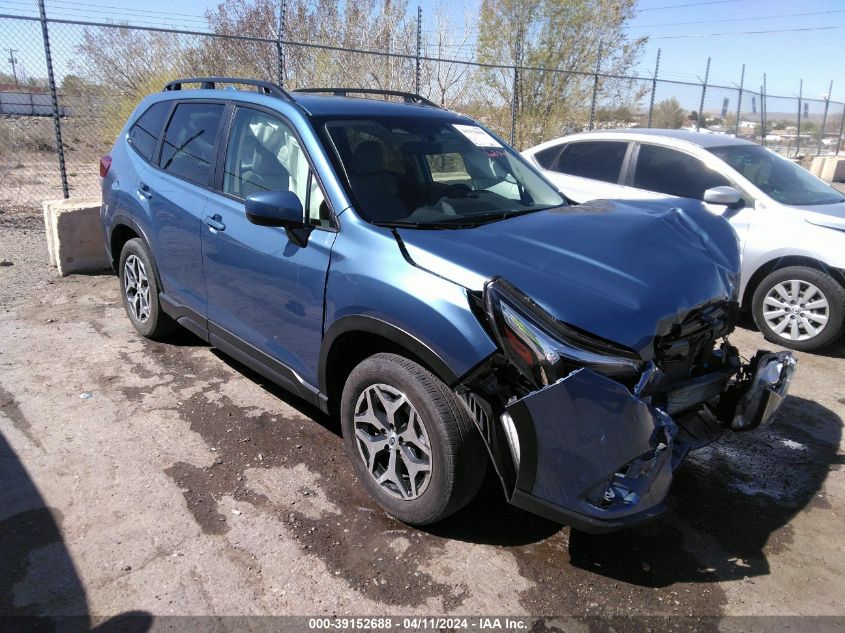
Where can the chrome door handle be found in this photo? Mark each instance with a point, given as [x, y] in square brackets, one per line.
[144, 191]
[215, 223]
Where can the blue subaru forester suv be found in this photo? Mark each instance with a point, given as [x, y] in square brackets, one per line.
[398, 265]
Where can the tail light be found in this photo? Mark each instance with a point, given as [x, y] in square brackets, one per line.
[105, 163]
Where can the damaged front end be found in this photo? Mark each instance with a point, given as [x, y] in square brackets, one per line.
[588, 433]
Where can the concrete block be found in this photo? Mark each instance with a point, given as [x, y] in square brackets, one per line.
[833, 169]
[75, 236]
[817, 165]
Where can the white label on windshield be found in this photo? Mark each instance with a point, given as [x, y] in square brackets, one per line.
[477, 135]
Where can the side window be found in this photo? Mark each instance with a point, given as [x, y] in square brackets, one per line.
[448, 168]
[674, 173]
[263, 154]
[143, 135]
[188, 148]
[599, 160]
[547, 158]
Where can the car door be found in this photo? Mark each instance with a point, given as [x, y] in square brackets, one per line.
[265, 291]
[586, 170]
[175, 194]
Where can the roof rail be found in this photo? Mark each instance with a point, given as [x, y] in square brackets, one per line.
[210, 83]
[409, 97]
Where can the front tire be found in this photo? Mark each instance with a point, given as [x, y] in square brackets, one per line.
[411, 441]
[140, 291]
[799, 307]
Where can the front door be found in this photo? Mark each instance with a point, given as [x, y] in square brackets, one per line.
[264, 290]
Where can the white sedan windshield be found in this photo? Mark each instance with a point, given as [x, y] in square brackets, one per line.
[777, 177]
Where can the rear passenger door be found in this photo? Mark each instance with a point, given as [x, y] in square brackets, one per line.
[265, 292]
[174, 192]
[586, 170]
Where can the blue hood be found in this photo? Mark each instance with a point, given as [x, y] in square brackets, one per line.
[624, 271]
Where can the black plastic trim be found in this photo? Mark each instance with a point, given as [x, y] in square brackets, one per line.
[372, 325]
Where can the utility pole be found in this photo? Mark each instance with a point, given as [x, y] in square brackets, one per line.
[13, 61]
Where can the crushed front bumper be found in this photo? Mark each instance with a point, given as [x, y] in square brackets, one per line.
[591, 454]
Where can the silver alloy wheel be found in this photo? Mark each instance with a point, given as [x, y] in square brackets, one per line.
[393, 441]
[796, 310]
[136, 286]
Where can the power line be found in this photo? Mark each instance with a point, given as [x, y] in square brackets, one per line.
[688, 4]
[124, 9]
[808, 28]
[771, 17]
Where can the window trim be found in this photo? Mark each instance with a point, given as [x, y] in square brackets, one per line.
[160, 144]
[226, 128]
[748, 199]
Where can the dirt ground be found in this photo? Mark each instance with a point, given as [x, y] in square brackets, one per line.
[165, 479]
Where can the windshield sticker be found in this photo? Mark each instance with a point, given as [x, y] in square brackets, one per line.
[478, 136]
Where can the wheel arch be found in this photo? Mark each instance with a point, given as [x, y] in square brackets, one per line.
[351, 339]
[785, 262]
[124, 229]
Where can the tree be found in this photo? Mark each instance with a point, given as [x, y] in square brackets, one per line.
[668, 114]
[361, 24]
[121, 66]
[448, 81]
[549, 38]
[693, 115]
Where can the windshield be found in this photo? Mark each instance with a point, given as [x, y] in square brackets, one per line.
[433, 173]
[777, 177]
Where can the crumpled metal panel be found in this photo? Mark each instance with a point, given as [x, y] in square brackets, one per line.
[578, 433]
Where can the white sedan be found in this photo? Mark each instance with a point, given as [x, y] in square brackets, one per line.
[791, 224]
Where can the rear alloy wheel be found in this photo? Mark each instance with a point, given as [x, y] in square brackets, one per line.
[140, 291]
[411, 441]
[799, 307]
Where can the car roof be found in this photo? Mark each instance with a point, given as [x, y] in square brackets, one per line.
[701, 139]
[333, 105]
[315, 104]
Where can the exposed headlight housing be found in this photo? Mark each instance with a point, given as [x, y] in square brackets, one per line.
[543, 348]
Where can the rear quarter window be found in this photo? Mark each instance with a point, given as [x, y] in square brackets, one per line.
[143, 135]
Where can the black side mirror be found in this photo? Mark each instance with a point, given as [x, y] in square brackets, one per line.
[275, 208]
[279, 208]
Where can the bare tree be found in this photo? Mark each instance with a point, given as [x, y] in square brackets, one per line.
[447, 80]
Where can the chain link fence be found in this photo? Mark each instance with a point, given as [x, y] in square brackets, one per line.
[101, 70]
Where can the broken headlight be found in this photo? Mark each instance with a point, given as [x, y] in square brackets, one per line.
[543, 348]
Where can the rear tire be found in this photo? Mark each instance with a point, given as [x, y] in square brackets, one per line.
[799, 307]
[140, 290]
[411, 441]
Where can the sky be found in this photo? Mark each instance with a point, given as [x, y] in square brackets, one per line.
[686, 32]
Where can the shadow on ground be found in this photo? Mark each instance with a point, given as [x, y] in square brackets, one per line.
[37, 575]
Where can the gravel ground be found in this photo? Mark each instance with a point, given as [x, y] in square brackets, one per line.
[185, 484]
